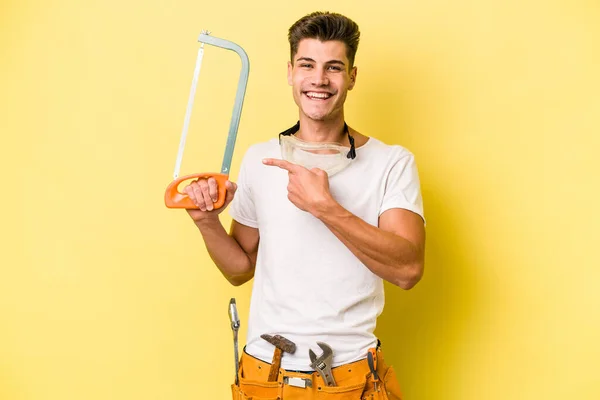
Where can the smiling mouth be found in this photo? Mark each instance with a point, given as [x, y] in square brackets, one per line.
[317, 95]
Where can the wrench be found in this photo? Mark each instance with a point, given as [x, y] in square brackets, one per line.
[322, 364]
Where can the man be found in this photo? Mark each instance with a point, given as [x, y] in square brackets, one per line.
[321, 216]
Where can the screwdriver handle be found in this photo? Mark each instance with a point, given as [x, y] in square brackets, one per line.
[235, 326]
[372, 360]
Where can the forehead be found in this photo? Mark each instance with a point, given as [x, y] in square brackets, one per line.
[322, 51]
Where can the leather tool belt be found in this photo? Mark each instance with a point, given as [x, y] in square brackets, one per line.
[354, 381]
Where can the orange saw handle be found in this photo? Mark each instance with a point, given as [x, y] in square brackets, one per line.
[175, 199]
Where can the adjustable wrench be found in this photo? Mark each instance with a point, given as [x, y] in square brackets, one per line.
[322, 364]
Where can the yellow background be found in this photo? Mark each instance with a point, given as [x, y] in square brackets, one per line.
[106, 294]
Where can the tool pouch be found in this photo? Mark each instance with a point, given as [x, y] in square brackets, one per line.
[253, 385]
[384, 388]
[354, 382]
[238, 394]
[387, 387]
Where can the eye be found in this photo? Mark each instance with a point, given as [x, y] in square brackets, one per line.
[336, 68]
[305, 65]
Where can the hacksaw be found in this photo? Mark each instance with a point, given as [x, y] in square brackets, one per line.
[175, 198]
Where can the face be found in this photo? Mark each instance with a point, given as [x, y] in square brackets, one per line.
[320, 77]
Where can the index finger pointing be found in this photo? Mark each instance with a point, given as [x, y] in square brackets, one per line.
[283, 164]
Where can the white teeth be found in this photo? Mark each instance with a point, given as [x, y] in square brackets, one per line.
[314, 95]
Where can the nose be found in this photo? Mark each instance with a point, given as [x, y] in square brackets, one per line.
[319, 77]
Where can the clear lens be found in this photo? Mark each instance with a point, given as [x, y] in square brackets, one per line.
[330, 157]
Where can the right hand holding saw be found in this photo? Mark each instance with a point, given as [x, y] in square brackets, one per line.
[203, 193]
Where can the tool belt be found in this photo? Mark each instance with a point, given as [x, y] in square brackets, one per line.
[354, 381]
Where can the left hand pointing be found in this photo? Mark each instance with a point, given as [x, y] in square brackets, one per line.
[307, 189]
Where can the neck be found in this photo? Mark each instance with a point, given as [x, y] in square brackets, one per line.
[322, 131]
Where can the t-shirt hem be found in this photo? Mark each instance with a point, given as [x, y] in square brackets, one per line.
[305, 367]
[409, 207]
[244, 221]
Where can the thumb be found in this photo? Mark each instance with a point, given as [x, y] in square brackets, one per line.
[231, 188]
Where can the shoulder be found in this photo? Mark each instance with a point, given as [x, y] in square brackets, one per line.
[371, 145]
[391, 152]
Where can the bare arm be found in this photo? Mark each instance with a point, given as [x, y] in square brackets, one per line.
[394, 250]
[234, 253]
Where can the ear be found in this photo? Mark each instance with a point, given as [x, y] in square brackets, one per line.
[289, 73]
[353, 73]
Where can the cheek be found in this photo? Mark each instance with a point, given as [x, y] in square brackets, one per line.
[348, 85]
[298, 81]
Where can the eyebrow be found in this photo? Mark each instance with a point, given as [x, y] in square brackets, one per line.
[328, 62]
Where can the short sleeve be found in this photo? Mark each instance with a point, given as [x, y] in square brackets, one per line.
[242, 207]
[402, 186]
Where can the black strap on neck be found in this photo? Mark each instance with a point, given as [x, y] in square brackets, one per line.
[296, 128]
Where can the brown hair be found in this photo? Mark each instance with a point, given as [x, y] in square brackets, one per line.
[325, 26]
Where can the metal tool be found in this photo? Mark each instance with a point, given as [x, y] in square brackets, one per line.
[372, 360]
[235, 326]
[281, 345]
[322, 364]
[297, 382]
[173, 197]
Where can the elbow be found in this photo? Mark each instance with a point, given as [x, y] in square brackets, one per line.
[239, 280]
[410, 276]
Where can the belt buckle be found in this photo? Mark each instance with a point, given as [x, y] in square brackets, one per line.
[297, 382]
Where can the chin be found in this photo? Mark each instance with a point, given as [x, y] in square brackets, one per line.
[315, 115]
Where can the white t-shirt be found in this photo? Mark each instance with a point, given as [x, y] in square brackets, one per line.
[308, 286]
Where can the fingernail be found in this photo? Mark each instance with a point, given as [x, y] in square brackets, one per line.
[209, 208]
